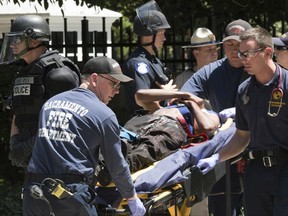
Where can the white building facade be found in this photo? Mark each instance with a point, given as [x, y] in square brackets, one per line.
[70, 12]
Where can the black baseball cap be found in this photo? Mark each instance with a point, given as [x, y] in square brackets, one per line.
[105, 65]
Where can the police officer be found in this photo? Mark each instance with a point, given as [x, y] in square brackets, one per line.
[73, 127]
[261, 122]
[143, 65]
[42, 74]
[203, 48]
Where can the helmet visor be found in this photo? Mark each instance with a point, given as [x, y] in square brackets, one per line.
[141, 11]
[13, 47]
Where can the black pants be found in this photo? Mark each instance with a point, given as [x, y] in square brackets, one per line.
[217, 201]
[79, 204]
[266, 189]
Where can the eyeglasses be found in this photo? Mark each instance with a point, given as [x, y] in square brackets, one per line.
[114, 85]
[280, 48]
[249, 53]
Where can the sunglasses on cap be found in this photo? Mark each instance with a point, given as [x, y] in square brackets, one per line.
[280, 47]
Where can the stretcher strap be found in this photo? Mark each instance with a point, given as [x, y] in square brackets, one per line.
[192, 139]
[185, 126]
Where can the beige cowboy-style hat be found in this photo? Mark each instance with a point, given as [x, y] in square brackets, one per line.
[202, 37]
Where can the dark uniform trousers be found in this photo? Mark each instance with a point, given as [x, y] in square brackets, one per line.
[80, 203]
[217, 197]
[266, 183]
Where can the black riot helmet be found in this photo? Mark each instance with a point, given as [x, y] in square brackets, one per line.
[149, 22]
[149, 19]
[23, 28]
[32, 26]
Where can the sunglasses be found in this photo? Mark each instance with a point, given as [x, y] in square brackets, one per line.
[114, 85]
[250, 53]
[280, 48]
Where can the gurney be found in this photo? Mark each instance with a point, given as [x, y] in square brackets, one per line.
[174, 200]
[174, 184]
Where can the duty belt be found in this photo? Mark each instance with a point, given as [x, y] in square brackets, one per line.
[268, 157]
[67, 178]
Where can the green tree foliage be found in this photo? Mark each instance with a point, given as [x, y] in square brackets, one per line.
[261, 12]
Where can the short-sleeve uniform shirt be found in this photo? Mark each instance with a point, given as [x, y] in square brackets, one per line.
[252, 107]
[145, 69]
[217, 82]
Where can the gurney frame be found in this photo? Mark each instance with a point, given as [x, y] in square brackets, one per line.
[178, 199]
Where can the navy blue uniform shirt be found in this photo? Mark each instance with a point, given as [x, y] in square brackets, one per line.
[73, 126]
[252, 106]
[217, 82]
[145, 69]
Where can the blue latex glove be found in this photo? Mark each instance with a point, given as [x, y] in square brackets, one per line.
[136, 207]
[227, 113]
[207, 164]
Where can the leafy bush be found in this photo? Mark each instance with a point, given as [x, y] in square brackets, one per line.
[10, 202]
[11, 179]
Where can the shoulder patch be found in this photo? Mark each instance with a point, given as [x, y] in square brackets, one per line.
[142, 68]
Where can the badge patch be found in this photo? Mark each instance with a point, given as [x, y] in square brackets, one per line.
[142, 68]
[21, 90]
[277, 94]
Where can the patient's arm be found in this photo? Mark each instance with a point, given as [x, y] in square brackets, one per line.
[205, 122]
[149, 98]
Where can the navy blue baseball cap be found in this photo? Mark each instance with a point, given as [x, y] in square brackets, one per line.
[281, 41]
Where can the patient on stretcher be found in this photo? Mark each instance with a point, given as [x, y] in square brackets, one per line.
[202, 121]
[165, 130]
[172, 160]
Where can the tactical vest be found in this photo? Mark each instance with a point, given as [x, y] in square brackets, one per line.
[29, 91]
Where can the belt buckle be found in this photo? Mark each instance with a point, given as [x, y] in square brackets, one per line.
[267, 161]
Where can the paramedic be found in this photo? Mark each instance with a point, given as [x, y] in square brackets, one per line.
[73, 127]
[218, 83]
[261, 100]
